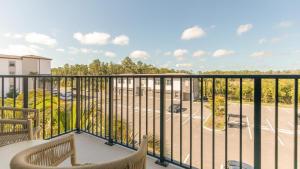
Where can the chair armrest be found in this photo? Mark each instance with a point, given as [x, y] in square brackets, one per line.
[36, 132]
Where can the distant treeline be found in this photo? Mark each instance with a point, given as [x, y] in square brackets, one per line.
[128, 66]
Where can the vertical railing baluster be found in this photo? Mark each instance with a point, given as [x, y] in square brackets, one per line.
[116, 110]
[213, 122]
[161, 161]
[34, 92]
[133, 112]
[276, 123]
[66, 111]
[241, 121]
[122, 110]
[105, 107]
[127, 110]
[191, 122]
[88, 105]
[296, 124]
[51, 106]
[58, 104]
[140, 109]
[78, 104]
[226, 115]
[2, 96]
[110, 111]
[180, 124]
[172, 123]
[257, 123]
[101, 106]
[201, 127]
[147, 107]
[72, 104]
[25, 92]
[44, 109]
[93, 103]
[97, 106]
[153, 127]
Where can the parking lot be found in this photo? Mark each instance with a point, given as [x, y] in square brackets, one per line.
[183, 150]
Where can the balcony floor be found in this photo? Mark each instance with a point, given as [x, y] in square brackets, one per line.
[89, 150]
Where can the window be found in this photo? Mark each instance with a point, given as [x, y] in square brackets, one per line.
[119, 81]
[129, 81]
[12, 64]
[157, 82]
[12, 73]
[168, 82]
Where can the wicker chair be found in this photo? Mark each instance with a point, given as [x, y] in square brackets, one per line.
[17, 125]
[51, 154]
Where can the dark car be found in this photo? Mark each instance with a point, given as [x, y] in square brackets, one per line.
[68, 96]
[176, 108]
[233, 164]
[233, 121]
[198, 99]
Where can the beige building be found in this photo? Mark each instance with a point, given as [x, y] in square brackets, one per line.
[22, 65]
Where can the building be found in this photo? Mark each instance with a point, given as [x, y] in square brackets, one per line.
[156, 85]
[22, 65]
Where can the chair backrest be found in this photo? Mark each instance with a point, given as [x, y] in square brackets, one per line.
[46, 155]
[51, 154]
[13, 131]
[20, 113]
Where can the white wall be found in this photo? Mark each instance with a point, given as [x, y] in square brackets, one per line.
[45, 66]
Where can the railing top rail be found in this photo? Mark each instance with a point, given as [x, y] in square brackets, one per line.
[252, 76]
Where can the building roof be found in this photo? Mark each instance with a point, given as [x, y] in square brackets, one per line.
[25, 56]
[35, 57]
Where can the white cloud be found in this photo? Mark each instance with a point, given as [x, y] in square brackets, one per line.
[168, 53]
[275, 40]
[121, 40]
[184, 65]
[110, 54]
[13, 35]
[38, 38]
[180, 53]
[285, 24]
[139, 54]
[20, 50]
[192, 33]
[262, 41]
[60, 50]
[223, 52]
[95, 38]
[199, 53]
[272, 40]
[261, 54]
[73, 50]
[244, 28]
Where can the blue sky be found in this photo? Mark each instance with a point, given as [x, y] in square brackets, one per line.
[181, 34]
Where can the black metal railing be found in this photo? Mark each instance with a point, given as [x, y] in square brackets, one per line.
[193, 121]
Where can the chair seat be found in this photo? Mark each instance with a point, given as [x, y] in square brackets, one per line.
[7, 152]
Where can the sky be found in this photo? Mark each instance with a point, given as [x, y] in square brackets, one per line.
[197, 35]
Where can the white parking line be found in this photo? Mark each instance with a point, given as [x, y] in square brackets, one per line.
[249, 130]
[290, 124]
[185, 121]
[280, 141]
[186, 158]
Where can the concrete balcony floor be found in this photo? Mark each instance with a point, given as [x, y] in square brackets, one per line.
[90, 149]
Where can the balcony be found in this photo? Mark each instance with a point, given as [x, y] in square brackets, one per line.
[193, 121]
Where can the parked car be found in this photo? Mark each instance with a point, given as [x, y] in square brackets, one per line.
[233, 164]
[67, 96]
[205, 99]
[176, 108]
[233, 121]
